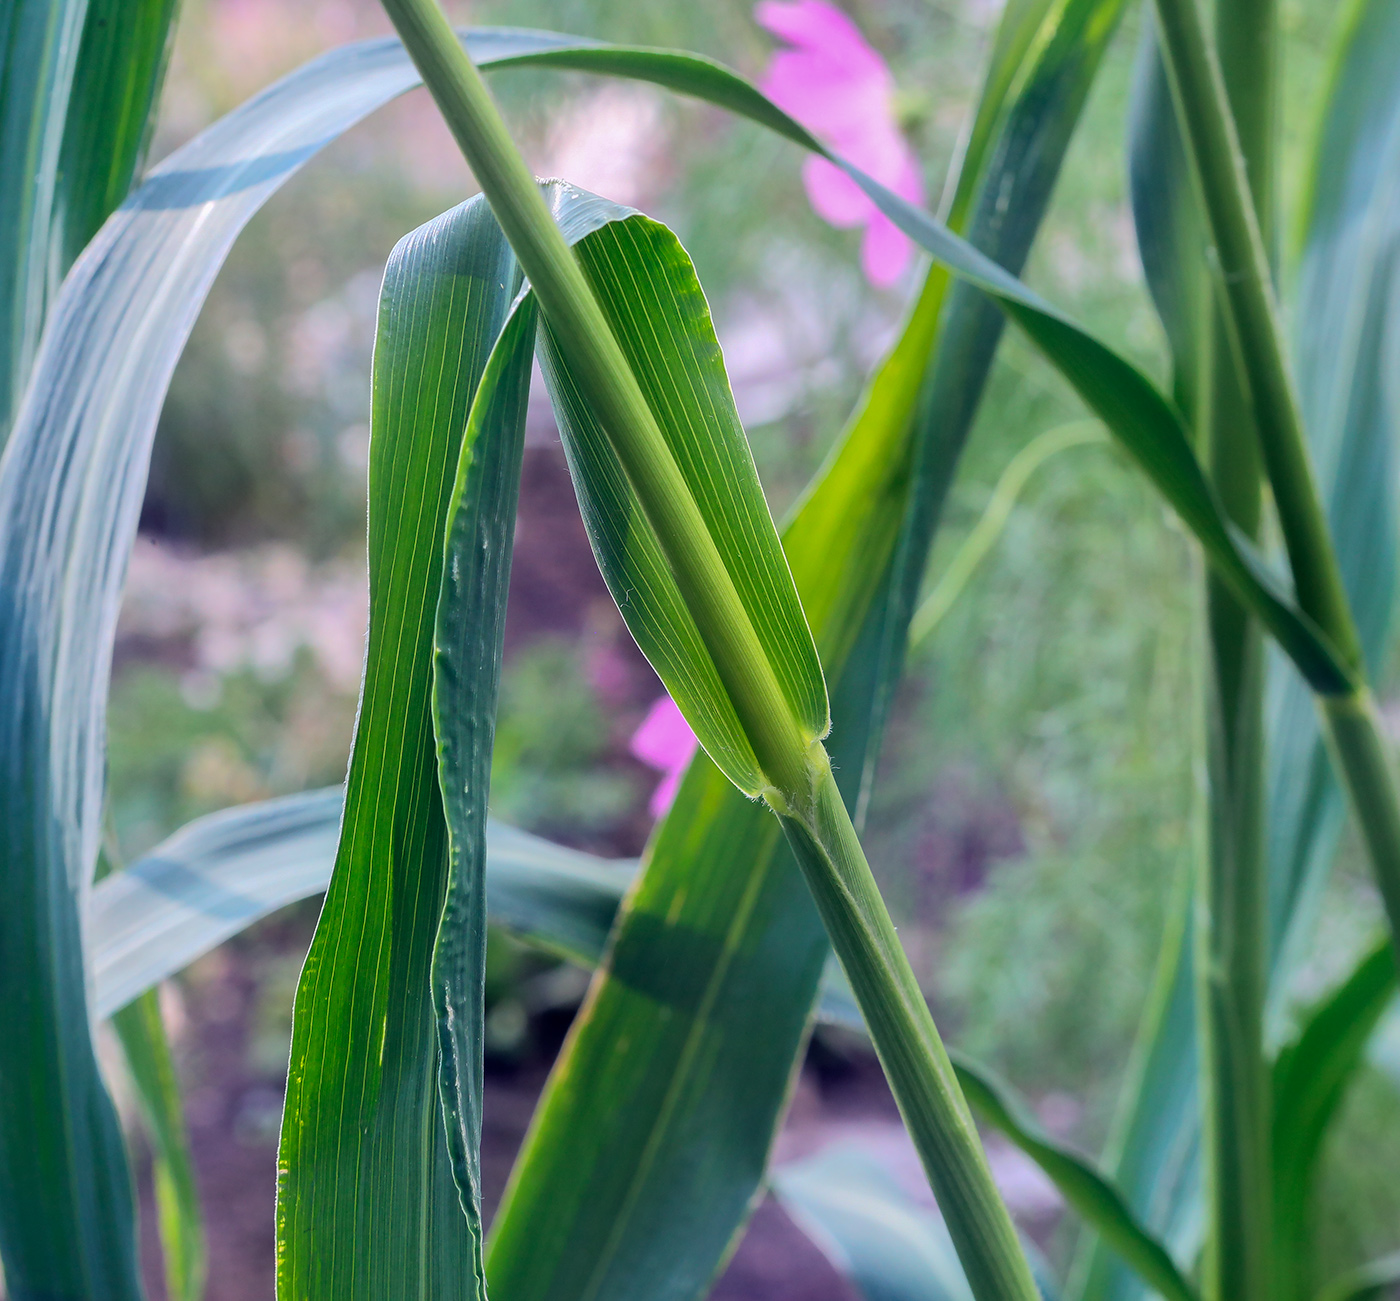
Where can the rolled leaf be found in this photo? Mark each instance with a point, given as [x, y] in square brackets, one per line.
[467, 643]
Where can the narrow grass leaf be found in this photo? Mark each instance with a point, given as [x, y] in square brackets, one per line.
[221, 873]
[1345, 349]
[111, 114]
[1311, 1077]
[39, 41]
[179, 1218]
[1093, 1196]
[366, 1205]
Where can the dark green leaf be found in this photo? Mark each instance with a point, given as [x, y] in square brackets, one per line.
[39, 42]
[467, 641]
[649, 293]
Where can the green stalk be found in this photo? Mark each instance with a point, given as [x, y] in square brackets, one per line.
[1252, 317]
[1256, 339]
[801, 787]
[1232, 904]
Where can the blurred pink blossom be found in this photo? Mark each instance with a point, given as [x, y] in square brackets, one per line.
[839, 88]
[665, 742]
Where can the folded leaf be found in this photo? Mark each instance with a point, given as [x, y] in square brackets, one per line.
[648, 291]
[366, 1202]
[467, 643]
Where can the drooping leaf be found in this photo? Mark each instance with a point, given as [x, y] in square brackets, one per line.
[221, 873]
[649, 293]
[1089, 1192]
[1093, 1196]
[366, 1201]
[108, 361]
[1344, 345]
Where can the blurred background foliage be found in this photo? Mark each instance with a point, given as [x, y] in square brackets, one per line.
[1034, 809]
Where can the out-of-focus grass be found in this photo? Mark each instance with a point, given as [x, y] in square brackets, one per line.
[1036, 786]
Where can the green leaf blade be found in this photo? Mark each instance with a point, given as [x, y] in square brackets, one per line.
[668, 339]
[367, 1205]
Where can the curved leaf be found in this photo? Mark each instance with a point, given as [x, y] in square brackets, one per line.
[366, 1203]
[221, 873]
[1097, 1200]
[1345, 347]
[1311, 1076]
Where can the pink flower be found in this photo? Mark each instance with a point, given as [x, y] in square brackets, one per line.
[665, 742]
[839, 88]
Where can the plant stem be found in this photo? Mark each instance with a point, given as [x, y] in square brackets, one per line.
[1255, 333]
[1232, 904]
[1252, 318]
[803, 791]
[1360, 750]
[909, 1047]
